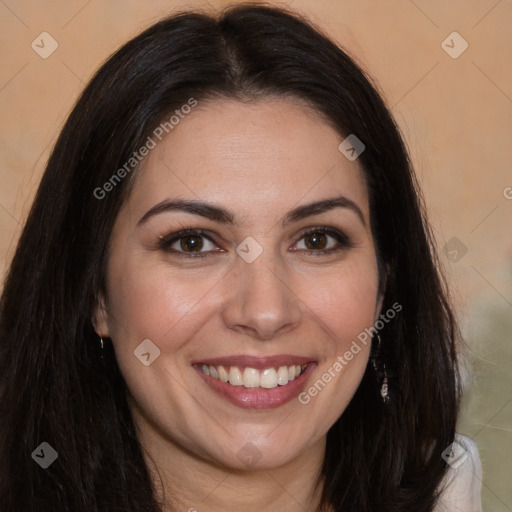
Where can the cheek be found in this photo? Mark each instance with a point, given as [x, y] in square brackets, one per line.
[344, 310]
[343, 301]
[343, 304]
[149, 301]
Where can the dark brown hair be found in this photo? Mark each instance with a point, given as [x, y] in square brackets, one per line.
[54, 386]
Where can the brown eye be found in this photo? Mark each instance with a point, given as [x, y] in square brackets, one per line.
[316, 240]
[189, 243]
[320, 241]
[192, 243]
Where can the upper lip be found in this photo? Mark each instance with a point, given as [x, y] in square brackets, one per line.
[256, 362]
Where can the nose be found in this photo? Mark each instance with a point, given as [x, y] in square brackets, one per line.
[260, 301]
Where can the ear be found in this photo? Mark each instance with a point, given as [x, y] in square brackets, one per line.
[100, 317]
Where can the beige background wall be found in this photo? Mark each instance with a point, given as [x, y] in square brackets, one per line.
[456, 115]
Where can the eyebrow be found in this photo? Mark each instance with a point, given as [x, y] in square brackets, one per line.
[322, 206]
[220, 214]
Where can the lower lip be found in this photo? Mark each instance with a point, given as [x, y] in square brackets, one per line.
[258, 398]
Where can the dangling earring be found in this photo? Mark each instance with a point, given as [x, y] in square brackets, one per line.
[382, 376]
[384, 387]
[101, 347]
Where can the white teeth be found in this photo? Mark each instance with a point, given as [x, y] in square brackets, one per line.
[282, 375]
[213, 372]
[235, 376]
[268, 379]
[250, 378]
[223, 374]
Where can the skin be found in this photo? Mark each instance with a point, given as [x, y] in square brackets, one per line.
[259, 160]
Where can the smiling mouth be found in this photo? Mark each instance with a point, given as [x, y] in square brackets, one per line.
[252, 378]
[256, 382]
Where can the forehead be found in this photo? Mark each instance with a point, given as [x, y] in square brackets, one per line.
[261, 157]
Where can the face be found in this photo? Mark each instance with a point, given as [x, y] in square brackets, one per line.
[241, 270]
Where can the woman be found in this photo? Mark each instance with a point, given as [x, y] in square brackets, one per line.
[226, 295]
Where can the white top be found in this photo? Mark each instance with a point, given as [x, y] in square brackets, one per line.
[463, 482]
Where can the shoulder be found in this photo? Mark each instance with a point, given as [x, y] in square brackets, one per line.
[461, 488]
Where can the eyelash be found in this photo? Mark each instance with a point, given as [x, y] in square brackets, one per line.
[343, 240]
